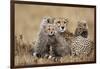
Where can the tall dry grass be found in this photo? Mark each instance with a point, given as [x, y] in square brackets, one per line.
[23, 55]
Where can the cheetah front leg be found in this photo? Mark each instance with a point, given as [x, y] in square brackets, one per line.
[52, 54]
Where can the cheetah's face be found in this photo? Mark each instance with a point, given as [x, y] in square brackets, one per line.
[61, 24]
[50, 29]
[82, 26]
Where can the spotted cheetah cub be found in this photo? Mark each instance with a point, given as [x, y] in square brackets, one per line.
[82, 29]
[62, 36]
[45, 38]
[81, 45]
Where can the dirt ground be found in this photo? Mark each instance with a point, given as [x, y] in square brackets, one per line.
[27, 24]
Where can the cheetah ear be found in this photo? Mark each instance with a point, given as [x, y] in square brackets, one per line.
[67, 20]
[53, 18]
[78, 22]
[43, 23]
[85, 25]
[45, 17]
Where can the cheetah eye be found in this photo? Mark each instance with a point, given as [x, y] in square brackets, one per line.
[58, 22]
[53, 29]
[48, 28]
[84, 24]
[64, 22]
[80, 28]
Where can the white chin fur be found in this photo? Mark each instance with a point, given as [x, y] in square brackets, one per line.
[62, 30]
[34, 54]
[50, 34]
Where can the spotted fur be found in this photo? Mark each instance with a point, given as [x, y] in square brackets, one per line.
[81, 46]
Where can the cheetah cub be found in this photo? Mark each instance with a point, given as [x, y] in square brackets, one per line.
[61, 24]
[81, 45]
[45, 38]
[62, 48]
[82, 29]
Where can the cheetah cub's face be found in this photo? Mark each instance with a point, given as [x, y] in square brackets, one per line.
[82, 24]
[50, 29]
[61, 24]
[82, 29]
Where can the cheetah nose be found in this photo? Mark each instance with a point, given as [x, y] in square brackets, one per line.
[51, 32]
[62, 27]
